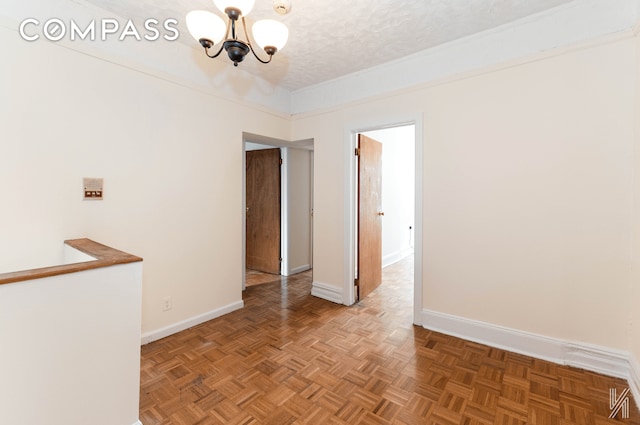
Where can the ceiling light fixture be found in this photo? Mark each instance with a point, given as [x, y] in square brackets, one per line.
[209, 30]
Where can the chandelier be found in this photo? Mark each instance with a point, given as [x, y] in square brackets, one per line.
[210, 30]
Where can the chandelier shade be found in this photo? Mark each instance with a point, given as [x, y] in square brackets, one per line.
[210, 30]
[206, 25]
[270, 33]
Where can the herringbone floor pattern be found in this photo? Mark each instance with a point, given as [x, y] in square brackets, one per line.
[290, 358]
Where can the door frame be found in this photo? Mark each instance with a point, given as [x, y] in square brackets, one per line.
[350, 202]
[284, 224]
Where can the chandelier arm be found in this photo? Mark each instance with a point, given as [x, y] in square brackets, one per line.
[206, 51]
[257, 57]
[244, 26]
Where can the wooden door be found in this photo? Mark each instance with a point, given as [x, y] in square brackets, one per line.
[263, 210]
[369, 216]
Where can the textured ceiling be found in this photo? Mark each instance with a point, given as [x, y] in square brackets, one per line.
[329, 39]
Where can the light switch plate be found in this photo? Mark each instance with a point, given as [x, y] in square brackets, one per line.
[93, 188]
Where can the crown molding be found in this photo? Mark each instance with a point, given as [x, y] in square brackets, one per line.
[574, 23]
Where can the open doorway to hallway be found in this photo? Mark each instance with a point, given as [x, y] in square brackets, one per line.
[292, 253]
[398, 191]
[397, 206]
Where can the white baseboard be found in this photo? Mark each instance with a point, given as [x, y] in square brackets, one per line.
[327, 292]
[300, 269]
[137, 423]
[388, 260]
[634, 380]
[598, 359]
[496, 336]
[189, 323]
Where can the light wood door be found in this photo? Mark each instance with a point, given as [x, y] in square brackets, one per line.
[263, 210]
[369, 215]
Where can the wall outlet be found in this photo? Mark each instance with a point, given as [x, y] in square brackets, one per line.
[167, 304]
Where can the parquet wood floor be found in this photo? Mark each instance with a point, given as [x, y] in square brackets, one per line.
[254, 277]
[290, 358]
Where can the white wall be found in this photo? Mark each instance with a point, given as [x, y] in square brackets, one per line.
[398, 191]
[171, 159]
[328, 231]
[298, 165]
[634, 313]
[35, 258]
[528, 187]
[527, 191]
[40, 192]
[71, 348]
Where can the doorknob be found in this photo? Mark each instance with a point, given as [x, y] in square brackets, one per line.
[381, 213]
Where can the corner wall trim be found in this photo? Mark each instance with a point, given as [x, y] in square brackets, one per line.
[327, 292]
[189, 323]
[606, 361]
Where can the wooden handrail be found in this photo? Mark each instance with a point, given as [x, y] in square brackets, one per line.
[104, 257]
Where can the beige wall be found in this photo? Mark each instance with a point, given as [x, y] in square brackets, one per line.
[171, 159]
[527, 192]
[634, 317]
[527, 184]
[299, 209]
[329, 250]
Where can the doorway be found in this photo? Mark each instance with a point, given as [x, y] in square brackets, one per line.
[295, 205]
[401, 204]
[369, 217]
[263, 215]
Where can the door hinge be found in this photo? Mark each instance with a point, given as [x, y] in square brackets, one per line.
[357, 151]
[280, 161]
